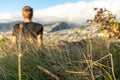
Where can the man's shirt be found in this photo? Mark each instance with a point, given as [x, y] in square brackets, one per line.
[27, 30]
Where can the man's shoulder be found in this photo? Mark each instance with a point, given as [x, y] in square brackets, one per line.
[37, 24]
[17, 25]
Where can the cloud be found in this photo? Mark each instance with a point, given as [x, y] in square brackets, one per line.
[70, 12]
[9, 17]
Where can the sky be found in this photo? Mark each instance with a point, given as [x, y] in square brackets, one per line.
[16, 5]
[46, 11]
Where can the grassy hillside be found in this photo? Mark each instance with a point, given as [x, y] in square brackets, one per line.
[89, 59]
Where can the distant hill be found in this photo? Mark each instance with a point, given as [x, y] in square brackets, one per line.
[7, 26]
[53, 27]
[50, 27]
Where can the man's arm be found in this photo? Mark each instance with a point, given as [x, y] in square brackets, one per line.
[39, 40]
[13, 42]
[14, 36]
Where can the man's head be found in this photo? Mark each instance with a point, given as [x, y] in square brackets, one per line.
[27, 12]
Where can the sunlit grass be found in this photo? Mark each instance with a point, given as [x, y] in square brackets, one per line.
[89, 59]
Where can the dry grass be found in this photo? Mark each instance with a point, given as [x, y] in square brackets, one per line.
[89, 59]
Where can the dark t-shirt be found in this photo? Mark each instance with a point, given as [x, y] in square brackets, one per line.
[28, 30]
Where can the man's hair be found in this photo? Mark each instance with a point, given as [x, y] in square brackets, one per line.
[28, 12]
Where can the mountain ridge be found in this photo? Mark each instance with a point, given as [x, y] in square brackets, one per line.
[56, 26]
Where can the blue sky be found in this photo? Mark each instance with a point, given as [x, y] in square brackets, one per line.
[16, 5]
[71, 11]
